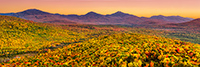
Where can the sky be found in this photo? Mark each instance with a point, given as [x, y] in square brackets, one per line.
[141, 8]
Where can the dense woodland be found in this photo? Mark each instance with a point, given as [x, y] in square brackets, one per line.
[28, 43]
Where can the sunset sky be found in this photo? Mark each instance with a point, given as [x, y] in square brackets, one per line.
[146, 8]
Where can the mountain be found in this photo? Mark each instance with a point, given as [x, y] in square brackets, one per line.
[120, 14]
[116, 18]
[195, 22]
[176, 19]
[92, 14]
[6, 14]
[32, 12]
[41, 16]
[192, 25]
[89, 18]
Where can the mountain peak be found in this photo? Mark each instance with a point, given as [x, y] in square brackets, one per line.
[161, 16]
[33, 12]
[120, 13]
[93, 13]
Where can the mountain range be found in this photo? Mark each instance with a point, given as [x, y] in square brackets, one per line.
[40, 16]
[195, 22]
[116, 18]
[176, 19]
[192, 25]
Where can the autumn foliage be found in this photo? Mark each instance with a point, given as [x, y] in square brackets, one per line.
[87, 45]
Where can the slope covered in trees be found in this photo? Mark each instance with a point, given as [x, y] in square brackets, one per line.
[118, 50]
[19, 35]
[92, 45]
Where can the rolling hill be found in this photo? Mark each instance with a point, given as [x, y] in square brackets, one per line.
[21, 36]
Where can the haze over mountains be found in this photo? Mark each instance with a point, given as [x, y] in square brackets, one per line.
[194, 24]
[177, 19]
[95, 18]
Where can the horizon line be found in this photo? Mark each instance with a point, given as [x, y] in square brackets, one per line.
[97, 13]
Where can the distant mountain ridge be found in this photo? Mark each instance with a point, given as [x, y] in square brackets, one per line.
[176, 19]
[115, 18]
[41, 16]
[95, 18]
[192, 25]
[6, 14]
[195, 22]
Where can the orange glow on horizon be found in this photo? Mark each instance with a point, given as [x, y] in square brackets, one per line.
[145, 8]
